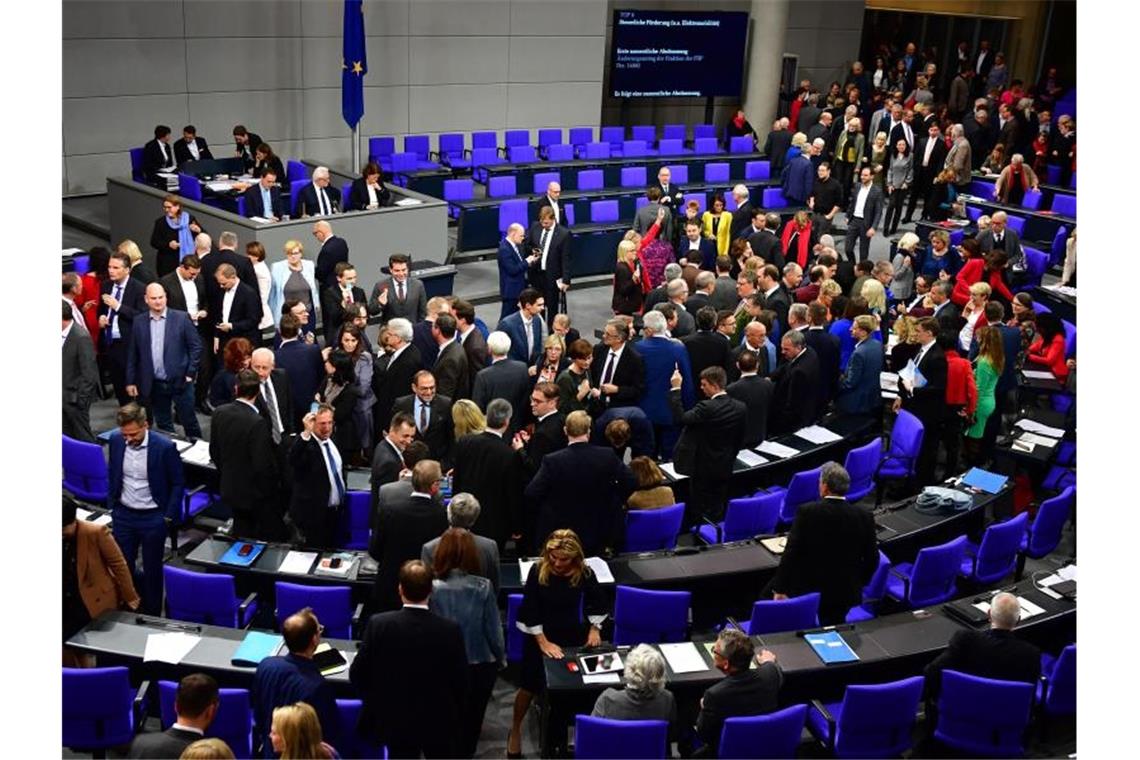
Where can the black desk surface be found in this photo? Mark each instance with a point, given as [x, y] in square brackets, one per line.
[1039, 385]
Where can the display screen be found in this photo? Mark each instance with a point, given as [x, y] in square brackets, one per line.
[677, 54]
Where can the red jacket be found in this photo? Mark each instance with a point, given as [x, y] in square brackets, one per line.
[971, 273]
[1051, 356]
[961, 390]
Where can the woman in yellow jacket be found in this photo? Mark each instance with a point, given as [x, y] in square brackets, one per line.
[715, 224]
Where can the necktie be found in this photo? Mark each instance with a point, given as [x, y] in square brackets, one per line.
[324, 199]
[423, 417]
[542, 245]
[400, 291]
[348, 295]
[271, 402]
[529, 339]
[335, 473]
[608, 375]
[113, 314]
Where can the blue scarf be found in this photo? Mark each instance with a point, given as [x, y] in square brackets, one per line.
[185, 236]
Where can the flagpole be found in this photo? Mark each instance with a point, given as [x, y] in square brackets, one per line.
[356, 148]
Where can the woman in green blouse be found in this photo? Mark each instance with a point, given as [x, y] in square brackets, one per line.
[988, 367]
[574, 389]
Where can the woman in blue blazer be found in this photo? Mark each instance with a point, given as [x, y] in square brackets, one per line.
[281, 272]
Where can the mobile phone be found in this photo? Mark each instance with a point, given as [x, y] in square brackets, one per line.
[313, 407]
[334, 563]
[245, 550]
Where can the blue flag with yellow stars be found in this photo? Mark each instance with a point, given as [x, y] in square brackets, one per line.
[355, 63]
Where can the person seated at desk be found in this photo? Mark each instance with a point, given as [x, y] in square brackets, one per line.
[191, 147]
[1047, 351]
[369, 191]
[644, 696]
[245, 144]
[744, 690]
[158, 156]
[195, 705]
[264, 198]
[265, 159]
[173, 235]
[316, 198]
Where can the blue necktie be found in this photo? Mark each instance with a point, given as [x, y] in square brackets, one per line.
[335, 473]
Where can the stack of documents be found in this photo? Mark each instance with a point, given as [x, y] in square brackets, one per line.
[169, 647]
[831, 647]
[1064, 290]
[670, 470]
[911, 376]
[778, 450]
[1033, 374]
[818, 434]
[198, 454]
[408, 202]
[683, 657]
[751, 458]
[1038, 440]
[1037, 427]
[298, 563]
[889, 383]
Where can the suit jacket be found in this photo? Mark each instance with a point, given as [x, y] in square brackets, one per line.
[697, 301]
[249, 150]
[303, 365]
[423, 340]
[413, 308]
[80, 371]
[707, 348]
[755, 392]
[872, 207]
[559, 212]
[440, 434]
[724, 294]
[175, 298]
[475, 348]
[411, 670]
[937, 159]
[181, 352]
[506, 379]
[332, 309]
[646, 217]
[706, 259]
[387, 464]
[749, 692]
[764, 368]
[487, 467]
[163, 472]
[628, 376]
[515, 329]
[991, 653]
[859, 391]
[104, 576]
[1012, 246]
[168, 743]
[450, 370]
[241, 447]
[512, 270]
[766, 245]
[210, 264]
[308, 204]
[254, 206]
[713, 434]
[673, 198]
[928, 402]
[796, 396]
[333, 251]
[309, 472]
[826, 347]
[358, 199]
[279, 379]
[488, 557]
[831, 549]
[557, 258]
[154, 160]
[244, 317]
[549, 436]
[581, 487]
[132, 303]
[286, 680]
[742, 217]
[401, 530]
[660, 355]
[182, 152]
[392, 379]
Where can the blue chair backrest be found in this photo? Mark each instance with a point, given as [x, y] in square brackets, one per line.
[579, 136]
[1065, 205]
[514, 635]
[679, 175]
[1073, 181]
[973, 213]
[200, 597]
[549, 137]
[649, 530]
[716, 172]
[233, 722]
[295, 188]
[296, 170]
[484, 140]
[510, 212]
[502, 185]
[484, 156]
[612, 135]
[983, 716]
[521, 154]
[673, 132]
[1061, 693]
[345, 194]
[598, 150]
[516, 138]
[730, 205]
[646, 132]
[997, 553]
[97, 709]
[603, 211]
[700, 198]
[357, 520]
[774, 735]
[934, 573]
[877, 586]
[633, 176]
[980, 188]
[640, 202]
[349, 742]
[1052, 174]
[1070, 338]
[591, 179]
[85, 470]
[542, 179]
[82, 263]
[795, 614]
[651, 617]
[189, 187]
[1032, 200]
[1016, 223]
[404, 162]
[451, 144]
[702, 131]
[1040, 308]
[705, 145]
[802, 489]
[751, 516]
[458, 189]
[671, 147]
[773, 197]
[860, 465]
[634, 148]
[757, 170]
[877, 720]
[136, 156]
[1036, 262]
[1057, 250]
[906, 438]
[1052, 514]
[381, 147]
[742, 144]
[332, 605]
[605, 739]
[560, 152]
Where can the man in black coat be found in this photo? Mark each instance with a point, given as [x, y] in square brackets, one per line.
[831, 549]
[707, 347]
[316, 467]
[335, 301]
[742, 216]
[411, 670]
[504, 378]
[245, 146]
[402, 528]
[334, 250]
[388, 454]
[158, 156]
[487, 468]
[863, 213]
[263, 198]
[450, 367]
[317, 198]
[617, 373]
[766, 243]
[550, 271]
[303, 364]
[776, 298]
[713, 434]
[195, 705]
[755, 392]
[184, 149]
[122, 298]
[929, 158]
[469, 338]
[226, 253]
[826, 347]
[236, 310]
[927, 402]
[393, 370]
[551, 201]
[431, 414]
[796, 396]
[744, 691]
[582, 487]
[275, 402]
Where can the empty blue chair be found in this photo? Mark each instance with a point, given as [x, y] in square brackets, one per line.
[297, 171]
[85, 471]
[742, 144]
[1065, 205]
[930, 579]
[1057, 250]
[516, 138]
[1045, 533]
[973, 213]
[136, 156]
[902, 454]
[861, 464]
[1070, 338]
[646, 132]
[591, 179]
[635, 149]
[542, 179]
[671, 147]
[701, 131]
[349, 742]
[700, 198]
[233, 722]
[874, 720]
[451, 151]
[803, 488]
[596, 151]
[757, 171]
[716, 172]
[521, 154]
[650, 617]
[100, 709]
[579, 136]
[996, 556]
[560, 152]
[1031, 200]
[614, 136]
[1040, 308]
[514, 635]
[208, 598]
[773, 197]
[482, 158]
[331, 604]
[484, 140]
[189, 187]
[356, 524]
[1057, 692]
[983, 716]
[673, 132]
[775, 735]
[1052, 174]
[603, 211]
[569, 214]
[295, 189]
[705, 146]
[510, 212]
[648, 530]
[502, 186]
[380, 150]
[633, 176]
[548, 137]
[403, 163]
[605, 739]
[457, 190]
[1036, 262]
[679, 175]
[744, 518]
[980, 188]
[776, 616]
[872, 593]
[1016, 223]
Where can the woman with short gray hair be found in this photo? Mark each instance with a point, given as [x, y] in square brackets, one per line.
[644, 696]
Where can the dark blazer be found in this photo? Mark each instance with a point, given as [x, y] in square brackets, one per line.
[487, 467]
[440, 434]
[242, 264]
[581, 487]
[674, 197]
[779, 301]
[132, 303]
[175, 298]
[749, 692]
[309, 496]
[831, 549]
[182, 153]
[697, 301]
[559, 213]
[859, 391]
[450, 370]
[796, 396]
[629, 375]
[557, 257]
[826, 347]
[991, 653]
[161, 237]
[706, 260]
[423, 340]
[308, 204]
[249, 150]
[163, 472]
[707, 348]
[241, 447]
[512, 270]
[475, 348]
[755, 392]
[413, 308]
[872, 208]
[937, 159]
[766, 244]
[411, 671]
[401, 530]
[254, 206]
[506, 379]
[286, 680]
[391, 380]
[358, 195]
[928, 402]
[154, 160]
[333, 251]
[181, 352]
[332, 309]
[762, 358]
[284, 393]
[245, 315]
[302, 364]
[741, 219]
[80, 371]
[386, 467]
[549, 436]
[515, 329]
[169, 743]
[713, 433]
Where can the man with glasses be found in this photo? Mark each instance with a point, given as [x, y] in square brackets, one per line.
[431, 413]
[744, 691]
[617, 373]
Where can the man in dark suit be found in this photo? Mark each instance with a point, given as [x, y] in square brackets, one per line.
[122, 298]
[275, 401]
[863, 213]
[158, 156]
[388, 455]
[241, 448]
[226, 253]
[422, 337]
[701, 297]
[513, 266]
[707, 347]
[826, 347]
[928, 401]
[163, 357]
[756, 343]
[776, 298]
[401, 530]
[317, 472]
[304, 367]
[744, 691]
[661, 355]
[551, 201]
[450, 368]
[742, 216]
[393, 369]
[549, 273]
[548, 433]
[245, 146]
[505, 378]
[236, 310]
[263, 199]
[672, 196]
[1000, 236]
[929, 158]
[80, 379]
[765, 242]
[186, 291]
[695, 248]
[859, 390]
[144, 494]
[195, 705]
[469, 338]
[713, 434]
[831, 549]
[334, 250]
[191, 147]
[399, 295]
[336, 300]
[316, 197]
[724, 288]
[755, 392]
[411, 670]
[581, 487]
[487, 468]
[617, 374]
[796, 395]
[431, 414]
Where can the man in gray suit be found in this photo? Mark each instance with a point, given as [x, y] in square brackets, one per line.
[462, 512]
[80, 378]
[195, 705]
[398, 295]
[652, 212]
[505, 378]
[1001, 236]
[724, 296]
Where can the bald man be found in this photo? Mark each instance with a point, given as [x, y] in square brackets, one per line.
[553, 199]
[333, 251]
[513, 265]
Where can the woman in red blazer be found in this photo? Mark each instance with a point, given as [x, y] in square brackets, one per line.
[987, 268]
[1048, 348]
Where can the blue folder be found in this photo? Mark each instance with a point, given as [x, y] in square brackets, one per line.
[830, 647]
[234, 557]
[256, 647]
[990, 482]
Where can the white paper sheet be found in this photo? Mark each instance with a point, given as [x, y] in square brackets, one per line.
[889, 381]
[81, 513]
[1033, 374]
[1068, 573]
[600, 568]
[670, 470]
[1036, 427]
[817, 434]
[1028, 608]
[1038, 440]
[408, 202]
[1064, 290]
[72, 251]
[751, 458]
[602, 678]
[297, 563]
[683, 657]
[777, 450]
[103, 519]
[169, 647]
[524, 568]
[198, 454]
[1025, 446]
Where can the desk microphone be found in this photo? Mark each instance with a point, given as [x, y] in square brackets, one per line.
[826, 629]
[159, 623]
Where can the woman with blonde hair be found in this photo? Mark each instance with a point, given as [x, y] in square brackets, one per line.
[902, 284]
[628, 277]
[875, 295]
[551, 362]
[651, 492]
[467, 418]
[139, 270]
[907, 346]
[294, 278]
[974, 313]
[296, 733]
[878, 161]
[207, 749]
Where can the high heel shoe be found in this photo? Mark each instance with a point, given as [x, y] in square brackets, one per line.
[513, 755]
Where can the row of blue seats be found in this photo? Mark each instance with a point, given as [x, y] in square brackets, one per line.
[1063, 204]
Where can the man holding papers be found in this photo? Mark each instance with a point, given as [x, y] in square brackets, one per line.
[922, 392]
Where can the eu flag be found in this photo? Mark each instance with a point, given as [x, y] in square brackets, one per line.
[355, 64]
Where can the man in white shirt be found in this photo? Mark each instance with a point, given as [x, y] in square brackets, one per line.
[319, 494]
[551, 199]
[316, 198]
[863, 212]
